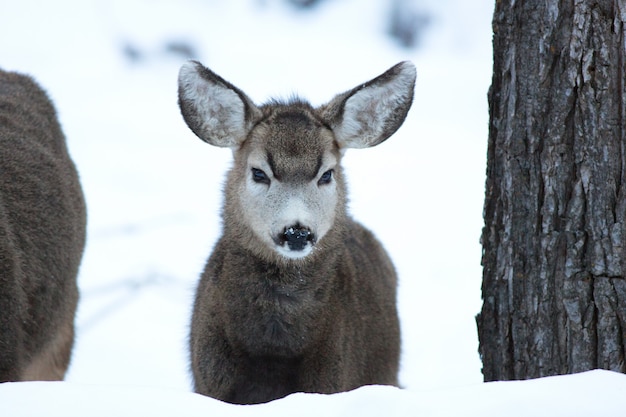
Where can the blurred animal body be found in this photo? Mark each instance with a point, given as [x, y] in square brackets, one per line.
[296, 296]
[42, 235]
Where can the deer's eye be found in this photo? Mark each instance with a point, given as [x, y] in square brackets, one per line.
[259, 176]
[326, 177]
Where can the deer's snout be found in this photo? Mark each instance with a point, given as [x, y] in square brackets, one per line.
[297, 237]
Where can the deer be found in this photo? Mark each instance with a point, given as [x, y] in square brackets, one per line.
[296, 296]
[42, 235]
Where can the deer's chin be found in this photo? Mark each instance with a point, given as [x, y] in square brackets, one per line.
[286, 252]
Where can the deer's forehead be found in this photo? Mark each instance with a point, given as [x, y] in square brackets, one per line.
[293, 145]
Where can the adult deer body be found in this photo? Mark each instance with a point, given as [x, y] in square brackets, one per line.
[296, 295]
[42, 235]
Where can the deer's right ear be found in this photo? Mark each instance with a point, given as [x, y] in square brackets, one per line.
[368, 114]
[214, 109]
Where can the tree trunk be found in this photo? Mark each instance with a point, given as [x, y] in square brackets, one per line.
[554, 287]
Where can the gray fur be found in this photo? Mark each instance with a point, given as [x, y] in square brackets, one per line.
[42, 235]
[296, 296]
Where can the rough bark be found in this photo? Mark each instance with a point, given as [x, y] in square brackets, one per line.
[554, 287]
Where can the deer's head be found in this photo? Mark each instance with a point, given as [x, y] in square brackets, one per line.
[286, 189]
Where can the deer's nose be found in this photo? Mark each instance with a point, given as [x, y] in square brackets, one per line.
[297, 237]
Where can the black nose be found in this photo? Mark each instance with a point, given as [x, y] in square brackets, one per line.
[297, 237]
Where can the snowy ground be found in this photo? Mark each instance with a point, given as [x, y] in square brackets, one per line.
[153, 188]
[591, 394]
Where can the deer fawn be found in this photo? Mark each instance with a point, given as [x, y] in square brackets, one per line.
[296, 296]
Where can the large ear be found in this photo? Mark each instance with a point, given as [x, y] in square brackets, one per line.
[214, 109]
[368, 114]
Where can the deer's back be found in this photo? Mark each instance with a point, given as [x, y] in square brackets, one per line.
[42, 224]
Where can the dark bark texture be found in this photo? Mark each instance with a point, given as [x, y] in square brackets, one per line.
[554, 287]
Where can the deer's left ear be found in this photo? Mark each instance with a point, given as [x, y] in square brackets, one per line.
[370, 113]
[214, 109]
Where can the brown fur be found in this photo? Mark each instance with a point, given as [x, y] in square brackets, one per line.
[265, 325]
[42, 234]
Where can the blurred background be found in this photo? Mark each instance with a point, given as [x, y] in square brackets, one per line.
[154, 190]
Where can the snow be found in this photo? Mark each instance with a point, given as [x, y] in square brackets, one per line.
[153, 194]
[594, 393]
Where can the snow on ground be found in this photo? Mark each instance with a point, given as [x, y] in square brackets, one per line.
[153, 188]
[595, 393]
